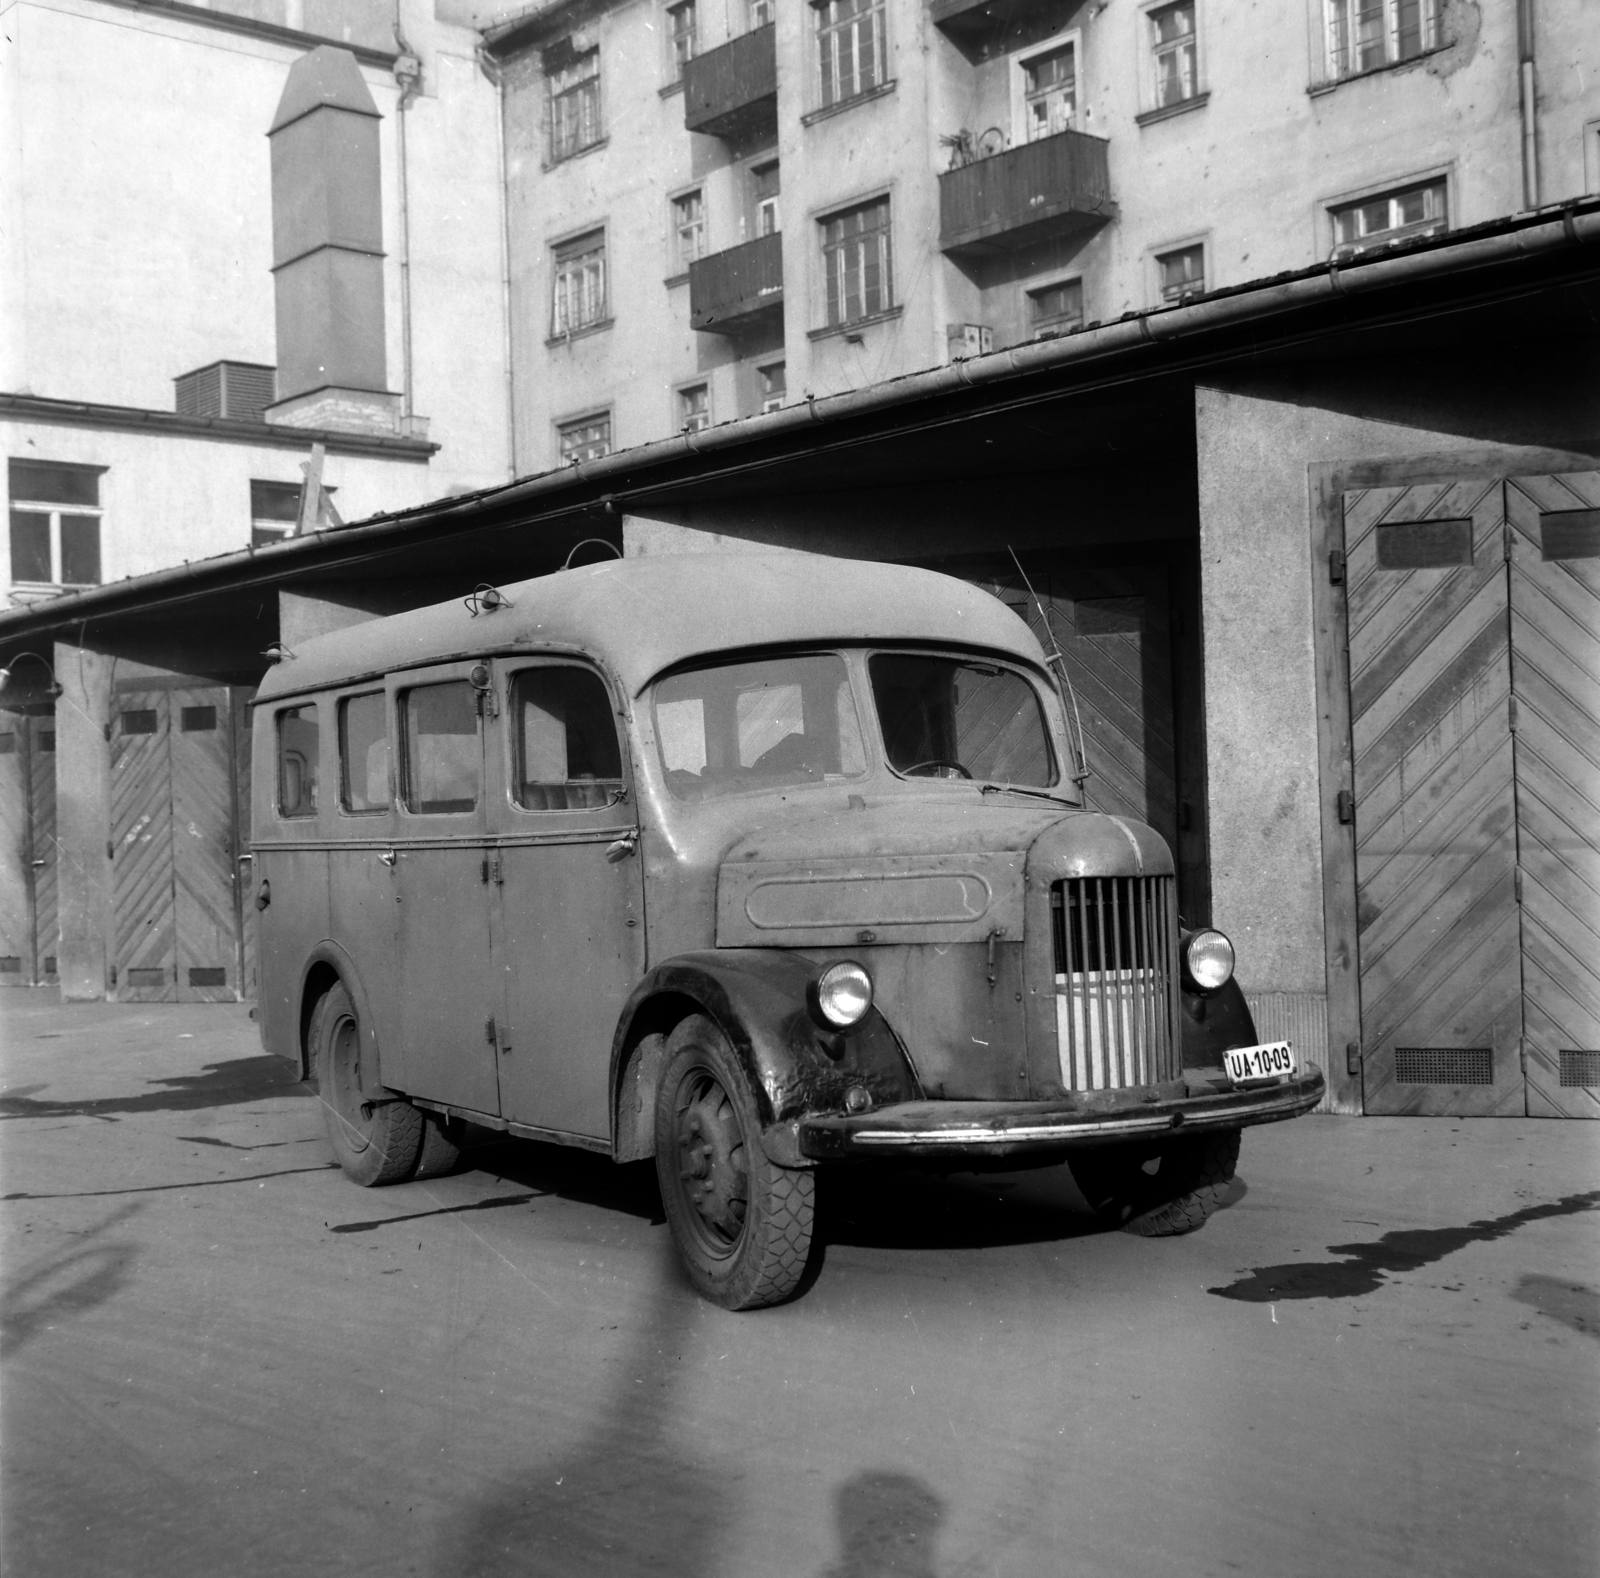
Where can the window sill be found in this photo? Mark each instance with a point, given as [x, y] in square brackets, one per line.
[811, 117]
[1195, 101]
[1317, 89]
[854, 325]
[670, 89]
[577, 153]
[672, 281]
[580, 334]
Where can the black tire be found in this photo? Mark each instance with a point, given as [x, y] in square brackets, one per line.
[441, 1145]
[742, 1224]
[373, 1144]
[1158, 1190]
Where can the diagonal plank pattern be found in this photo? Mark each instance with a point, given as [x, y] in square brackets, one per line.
[1555, 642]
[46, 852]
[1430, 687]
[145, 951]
[202, 836]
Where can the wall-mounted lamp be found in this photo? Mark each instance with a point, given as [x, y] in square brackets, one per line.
[15, 692]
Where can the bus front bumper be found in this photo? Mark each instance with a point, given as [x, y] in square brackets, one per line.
[1199, 1103]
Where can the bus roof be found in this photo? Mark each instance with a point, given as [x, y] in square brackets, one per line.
[642, 616]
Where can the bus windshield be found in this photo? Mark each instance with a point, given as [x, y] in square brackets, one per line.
[758, 725]
[953, 717]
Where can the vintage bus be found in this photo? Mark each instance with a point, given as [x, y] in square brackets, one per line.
[750, 863]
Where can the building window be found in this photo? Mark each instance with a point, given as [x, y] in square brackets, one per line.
[683, 31]
[689, 223]
[1391, 216]
[694, 408]
[574, 104]
[773, 386]
[55, 523]
[1050, 92]
[1181, 273]
[579, 296]
[1366, 34]
[759, 13]
[764, 189]
[1056, 309]
[857, 263]
[585, 438]
[275, 511]
[1172, 45]
[850, 48]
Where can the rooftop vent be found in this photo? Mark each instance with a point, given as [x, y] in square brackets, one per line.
[237, 390]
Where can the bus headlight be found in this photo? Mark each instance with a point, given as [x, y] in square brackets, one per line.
[840, 996]
[1207, 961]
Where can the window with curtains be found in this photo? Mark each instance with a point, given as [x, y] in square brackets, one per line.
[1181, 273]
[574, 90]
[1173, 59]
[1050, 92]
[579, 283]
[689, 228]
[850, 48]
[1364, 35]
[1419, 210]
[857, 262]
[683, 34]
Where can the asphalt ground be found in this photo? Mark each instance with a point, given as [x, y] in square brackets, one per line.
[222, 1358]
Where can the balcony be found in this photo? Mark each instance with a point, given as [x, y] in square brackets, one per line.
[980, 28]
[737, 291]
[1040, 191]
[732, 92]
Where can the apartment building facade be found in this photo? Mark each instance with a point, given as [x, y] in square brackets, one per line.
[717, 207]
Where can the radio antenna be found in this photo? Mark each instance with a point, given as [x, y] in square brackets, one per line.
[1058, 658]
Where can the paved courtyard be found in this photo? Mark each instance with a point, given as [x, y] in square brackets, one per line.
[222, 1358]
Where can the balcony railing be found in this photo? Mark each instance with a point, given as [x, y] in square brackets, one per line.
[732, 92]
[1036, 192]
[733, 292]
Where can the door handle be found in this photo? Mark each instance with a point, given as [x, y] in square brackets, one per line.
[388, 857]
[37, 863]
[623, 847]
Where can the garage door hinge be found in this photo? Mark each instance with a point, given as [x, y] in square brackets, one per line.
[1347, 806]
[1516, 880]
[1511, 713]
[1352, 1057]
[490, 869]
[1336, 567]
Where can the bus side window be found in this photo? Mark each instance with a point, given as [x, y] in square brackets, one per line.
[443, 764]
[568, 757]
[297, 761]
[363, 754]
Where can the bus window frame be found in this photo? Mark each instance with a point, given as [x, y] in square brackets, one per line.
[504, 674]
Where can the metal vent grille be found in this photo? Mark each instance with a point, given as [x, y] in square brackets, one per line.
[207, 975]
[10, 963]
[1580, 1068]
[240, 391]
[1444, 1065]
[1116, 972]
[139, 976]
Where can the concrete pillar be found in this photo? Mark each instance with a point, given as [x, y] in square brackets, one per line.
[83, 821]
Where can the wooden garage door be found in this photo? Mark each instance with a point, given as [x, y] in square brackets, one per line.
[173, 802]
[1475, 824]
[1555, 677]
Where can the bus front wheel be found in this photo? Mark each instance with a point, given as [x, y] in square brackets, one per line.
[375, 1143]
[742, 1223]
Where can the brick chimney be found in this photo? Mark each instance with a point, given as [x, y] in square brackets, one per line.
[327, 247]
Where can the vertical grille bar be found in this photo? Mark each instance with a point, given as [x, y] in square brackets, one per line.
[1116, 981]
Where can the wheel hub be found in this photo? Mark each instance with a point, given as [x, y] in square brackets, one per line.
[711, 1161]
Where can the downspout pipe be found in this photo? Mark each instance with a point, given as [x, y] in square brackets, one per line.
[1528, 85]
[408, 74]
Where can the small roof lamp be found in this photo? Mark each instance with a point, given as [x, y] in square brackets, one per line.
[18, 691]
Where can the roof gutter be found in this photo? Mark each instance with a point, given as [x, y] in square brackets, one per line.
[1574, 225]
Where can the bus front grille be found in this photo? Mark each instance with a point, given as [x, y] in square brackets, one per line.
[1116, 958]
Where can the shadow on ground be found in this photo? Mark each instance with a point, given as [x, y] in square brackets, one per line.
[66, 1285]
[641, 1492]
[887, 1523]
[1570, 1303]
[1365, 1266]
[220, 1085]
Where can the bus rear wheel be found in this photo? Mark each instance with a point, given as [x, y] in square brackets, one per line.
[375, 1143]
[1158, 1191]
[742, 1224]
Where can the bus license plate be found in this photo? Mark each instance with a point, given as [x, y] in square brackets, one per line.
[1271, 1060]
